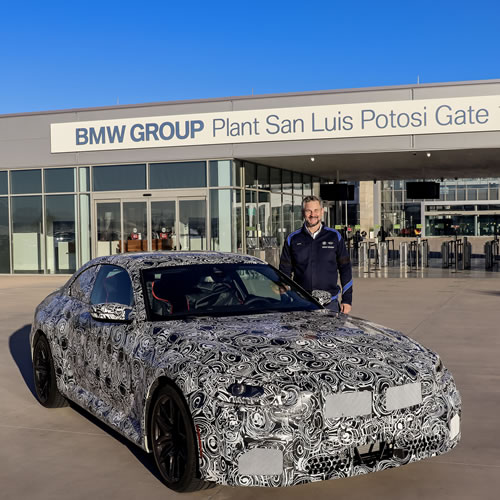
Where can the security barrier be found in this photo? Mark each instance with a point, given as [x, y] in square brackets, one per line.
[492, 254]
[414, 254]
[457, 254]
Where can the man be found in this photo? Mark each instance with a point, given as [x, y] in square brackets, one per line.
[316, 254]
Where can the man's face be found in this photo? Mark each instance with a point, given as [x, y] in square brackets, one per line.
[313, 213]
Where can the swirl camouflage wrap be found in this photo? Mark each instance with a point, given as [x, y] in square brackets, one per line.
[277, 398]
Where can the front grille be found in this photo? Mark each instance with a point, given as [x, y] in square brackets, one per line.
[370, 455]
[326, 465]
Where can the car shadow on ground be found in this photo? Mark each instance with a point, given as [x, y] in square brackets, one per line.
[19, 345]
[20, 351]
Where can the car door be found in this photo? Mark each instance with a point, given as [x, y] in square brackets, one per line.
[76, 311]
[111, 344]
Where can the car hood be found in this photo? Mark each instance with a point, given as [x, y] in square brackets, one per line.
[303, 345]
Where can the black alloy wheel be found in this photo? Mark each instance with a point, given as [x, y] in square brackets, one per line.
[173, 442]
[45, 377]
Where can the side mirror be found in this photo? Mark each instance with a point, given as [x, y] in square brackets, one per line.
[112, 312]
[322, 296]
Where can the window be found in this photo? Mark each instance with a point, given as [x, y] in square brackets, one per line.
[119, 177]
[26, 181]
[3, 183]
[112, 285]
[80, 288]
[191, 174]
[221, 173]
[59, 180]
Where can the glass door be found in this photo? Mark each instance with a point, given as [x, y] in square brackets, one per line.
[192, 224]
[164, 225]
[129, 225]
[135, 226]
[108, 227]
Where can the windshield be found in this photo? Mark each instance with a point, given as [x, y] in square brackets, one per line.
[220, 289]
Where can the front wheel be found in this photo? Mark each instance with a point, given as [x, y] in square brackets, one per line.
[173, 442]
[45, 377]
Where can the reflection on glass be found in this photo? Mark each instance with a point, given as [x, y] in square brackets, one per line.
[264, 227]
[191, 174]
[251, 219]
[192, 225]
[286, 177]
[119, 177]
[84, 178]
[108, 228]
[59, 180]
[60, 234]
[4, 185]
[27, 234]
[250, 174]
[4, 236]
[163, 225]
[287, 214]
[135, 226]
[238, 217]
[277, 226]
[85, 233]
[275, 179]
[220, 220]
[297, 183]
[307, 185]
[26, 181]
[263, 177]
[297, 212]
[221, 173]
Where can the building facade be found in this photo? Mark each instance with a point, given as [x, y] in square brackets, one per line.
[230, 174]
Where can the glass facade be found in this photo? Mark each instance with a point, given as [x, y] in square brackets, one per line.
[119, 177]
[54, 219]
[462, 209]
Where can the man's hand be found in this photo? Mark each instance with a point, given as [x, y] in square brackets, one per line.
[345, 308]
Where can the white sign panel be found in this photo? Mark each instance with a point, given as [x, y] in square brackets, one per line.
[431, 116]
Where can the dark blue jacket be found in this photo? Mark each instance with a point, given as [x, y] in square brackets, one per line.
[316, 262]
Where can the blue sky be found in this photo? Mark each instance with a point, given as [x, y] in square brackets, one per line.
[62, 54]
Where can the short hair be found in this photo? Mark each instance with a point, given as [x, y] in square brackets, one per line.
[309, 198]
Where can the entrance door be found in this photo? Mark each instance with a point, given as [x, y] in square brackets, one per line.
[126, 225]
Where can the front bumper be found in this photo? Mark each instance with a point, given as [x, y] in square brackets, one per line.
[252, 445]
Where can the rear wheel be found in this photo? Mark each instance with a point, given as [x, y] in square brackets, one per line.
[45, 377]
[173, 442]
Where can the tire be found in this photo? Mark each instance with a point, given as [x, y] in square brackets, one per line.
[173, 441]
[44, 376]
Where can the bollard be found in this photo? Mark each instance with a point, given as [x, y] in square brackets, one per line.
[467, 254]
[363, 255]
[403, 254]
[424, 252]
[384, 253]
[445, 254]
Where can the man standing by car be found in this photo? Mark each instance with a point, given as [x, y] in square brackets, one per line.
[316, 255]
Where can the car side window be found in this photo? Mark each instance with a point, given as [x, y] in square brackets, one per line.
[113, 285]
[82, 286]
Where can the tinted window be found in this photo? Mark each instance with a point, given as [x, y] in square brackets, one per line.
[59, 180]
[119, 177]
[82, 286]
[221, 289]
[26, 181]
[178, 175]
[3, 183]
[112, 285]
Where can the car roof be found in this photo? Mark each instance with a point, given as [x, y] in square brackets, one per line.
[144, 260]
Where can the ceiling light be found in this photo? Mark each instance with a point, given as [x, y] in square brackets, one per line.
[312, 158]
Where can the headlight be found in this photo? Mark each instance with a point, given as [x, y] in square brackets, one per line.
[245, 391]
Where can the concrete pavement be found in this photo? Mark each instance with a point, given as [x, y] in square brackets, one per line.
[66, 454]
